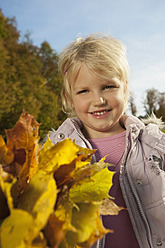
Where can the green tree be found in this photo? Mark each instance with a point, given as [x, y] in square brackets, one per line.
[29, 79]
[49, 70]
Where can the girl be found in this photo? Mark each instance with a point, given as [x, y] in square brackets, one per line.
[95, 93]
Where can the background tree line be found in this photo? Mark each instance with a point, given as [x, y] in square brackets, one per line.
[30, 80]
[154, 102]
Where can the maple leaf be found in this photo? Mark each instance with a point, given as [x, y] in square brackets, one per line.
[53, 231]
[95, 188]
[108, 207]
[15, 229]
[35, 205]
[21, 151]
[39, 197]
[62, 153]
[6, 153]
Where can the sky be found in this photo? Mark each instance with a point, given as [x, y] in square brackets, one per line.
[139, 24]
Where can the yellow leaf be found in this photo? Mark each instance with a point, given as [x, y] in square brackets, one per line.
[99, 232]
[62, 153]
[85, 219]
[64, 214]
[39, 198]
[96, 189]
[84, 156]
[47, 145]
[16, 229]
[6, 189]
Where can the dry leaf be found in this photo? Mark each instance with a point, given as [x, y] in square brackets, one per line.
[108, 207]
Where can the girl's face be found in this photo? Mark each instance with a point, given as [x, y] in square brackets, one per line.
[98, 103]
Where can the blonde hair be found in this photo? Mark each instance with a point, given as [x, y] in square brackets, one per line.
[103, 54]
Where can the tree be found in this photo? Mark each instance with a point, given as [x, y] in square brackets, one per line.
[150, 103]
[49, 69]
[132, 105]
[160, 112]
[28, 79]
[155, 103]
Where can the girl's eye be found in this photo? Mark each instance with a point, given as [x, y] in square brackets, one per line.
[82, 91]
[109, 87]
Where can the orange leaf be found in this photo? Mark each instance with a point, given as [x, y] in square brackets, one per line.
[6, 153]
[53, 231]
[23, 139]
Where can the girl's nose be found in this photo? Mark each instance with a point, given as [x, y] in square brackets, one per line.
[99, 101]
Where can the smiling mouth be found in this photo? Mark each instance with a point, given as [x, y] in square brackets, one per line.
[100, 113]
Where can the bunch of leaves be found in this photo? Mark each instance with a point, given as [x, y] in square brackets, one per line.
[51, 196]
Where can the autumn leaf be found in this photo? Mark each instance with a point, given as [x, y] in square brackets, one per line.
[39, 197]
[87, 232]
[16, 229]
[22, 150]
[64, 214]
[109, 207]
[62, 153]
[53, 231]
[95, 189]
[35, 205]
[6, 153]
[99, 232]
[6, 189]
[84, 156]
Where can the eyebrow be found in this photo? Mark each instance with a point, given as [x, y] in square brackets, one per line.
[112, 81]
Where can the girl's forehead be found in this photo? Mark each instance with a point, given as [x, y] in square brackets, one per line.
[82, 72]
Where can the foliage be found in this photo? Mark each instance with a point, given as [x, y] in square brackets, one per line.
[132, 105]
[155, 103]
[29, 79]
[52, 195]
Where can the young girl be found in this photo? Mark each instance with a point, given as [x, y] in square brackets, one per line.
[95, 93]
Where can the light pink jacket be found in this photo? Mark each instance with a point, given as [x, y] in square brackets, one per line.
[142, 176]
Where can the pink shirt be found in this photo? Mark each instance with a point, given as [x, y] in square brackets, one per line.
[123, 235]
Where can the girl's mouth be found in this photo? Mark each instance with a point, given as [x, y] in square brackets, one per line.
[100, 114]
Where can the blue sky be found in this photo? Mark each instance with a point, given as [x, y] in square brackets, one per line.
[140, 24]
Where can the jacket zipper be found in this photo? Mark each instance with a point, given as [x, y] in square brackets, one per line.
[138, 203]
[141, 213]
